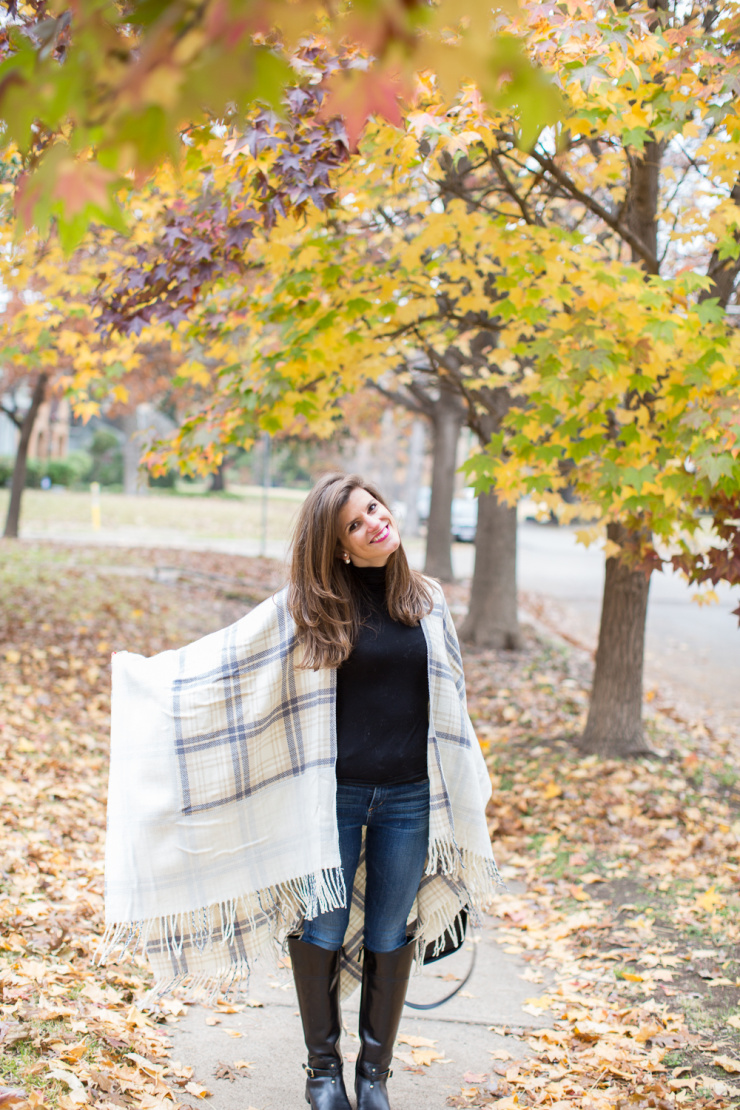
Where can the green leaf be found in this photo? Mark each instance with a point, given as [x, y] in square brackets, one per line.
[715, 467]
[710, 311]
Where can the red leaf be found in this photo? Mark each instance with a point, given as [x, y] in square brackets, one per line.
[357, 94]
[81, 183]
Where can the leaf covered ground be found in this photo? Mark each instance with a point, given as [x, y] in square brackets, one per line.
[625, 877]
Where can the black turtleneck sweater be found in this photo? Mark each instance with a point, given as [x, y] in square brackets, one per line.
[382, 695]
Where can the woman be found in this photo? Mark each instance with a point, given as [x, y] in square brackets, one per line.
[310, 771]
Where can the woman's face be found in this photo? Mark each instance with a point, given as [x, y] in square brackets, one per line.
[367, 531]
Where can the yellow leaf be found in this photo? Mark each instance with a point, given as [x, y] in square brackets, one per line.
[426, 1056]
[120, 393]
[710, 900]
[705, 597]
[552, 790]
[726, 1062]
[416, 1042]
[75, 1052]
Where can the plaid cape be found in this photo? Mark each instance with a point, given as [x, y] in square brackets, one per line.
[222, 834]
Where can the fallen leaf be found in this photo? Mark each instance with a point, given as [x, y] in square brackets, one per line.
[145, 1065]
[13, 1031]
[710, 900]
[727, 1063]
[426, 1056]
[197, 1090]
[76, 1052]
[223, 1071]
[12, 1096]
[415, 1042]
[67, 1077]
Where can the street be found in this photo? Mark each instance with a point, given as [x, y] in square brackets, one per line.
[692, 651]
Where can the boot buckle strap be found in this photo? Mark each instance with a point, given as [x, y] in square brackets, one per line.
[376, 1075]
[313, 1073]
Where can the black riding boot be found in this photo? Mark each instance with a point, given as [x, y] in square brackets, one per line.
[316, 975]
[385, 977]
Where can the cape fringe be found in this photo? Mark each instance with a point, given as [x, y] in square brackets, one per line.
[215, 925]
[477, 873]
[281, 909]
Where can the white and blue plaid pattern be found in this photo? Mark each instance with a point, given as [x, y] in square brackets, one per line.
[221, 820]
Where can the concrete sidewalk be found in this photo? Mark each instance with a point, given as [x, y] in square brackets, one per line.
[271, 1039]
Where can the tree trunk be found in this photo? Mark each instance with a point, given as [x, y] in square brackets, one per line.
[133, 482]
[492, 619]
[19, 470]
[447, 420]
[218, 479]
[614, 726]
[414, 467]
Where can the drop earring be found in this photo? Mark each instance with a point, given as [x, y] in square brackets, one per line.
[345, 556]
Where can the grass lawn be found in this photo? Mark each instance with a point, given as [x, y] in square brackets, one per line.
[236, 514]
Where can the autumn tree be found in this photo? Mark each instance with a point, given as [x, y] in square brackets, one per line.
[629, 389]
[48, 339]
[565, 252]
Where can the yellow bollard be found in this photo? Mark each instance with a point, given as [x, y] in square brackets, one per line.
[95, 505]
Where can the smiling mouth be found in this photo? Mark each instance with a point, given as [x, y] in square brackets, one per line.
[382, 535]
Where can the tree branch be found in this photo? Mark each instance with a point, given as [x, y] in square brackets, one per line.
[521, 203]
[651, 262]
[398, 398]
[12, 414]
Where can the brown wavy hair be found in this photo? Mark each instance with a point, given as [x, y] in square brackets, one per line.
[323, 591]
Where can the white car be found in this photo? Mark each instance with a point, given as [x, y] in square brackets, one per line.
[464, 515]
[464, 522]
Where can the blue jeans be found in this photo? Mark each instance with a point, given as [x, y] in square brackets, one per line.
[397, 820]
